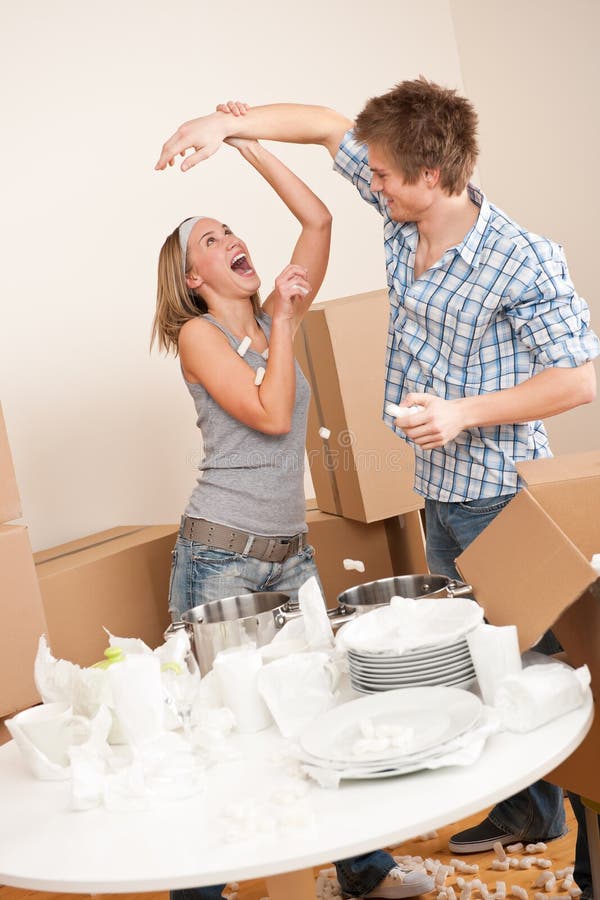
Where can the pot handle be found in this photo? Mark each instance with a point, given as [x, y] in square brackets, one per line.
[174, 627]
[338, 616]
[285, 614]
[457, 588]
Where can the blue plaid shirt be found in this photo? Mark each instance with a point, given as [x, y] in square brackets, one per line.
[496, 309]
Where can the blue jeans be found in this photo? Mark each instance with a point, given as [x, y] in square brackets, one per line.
[583, 867]
[359, 875]
[200, 573]
[537, 812]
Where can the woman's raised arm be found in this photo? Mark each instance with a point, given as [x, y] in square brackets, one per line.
[312, 247]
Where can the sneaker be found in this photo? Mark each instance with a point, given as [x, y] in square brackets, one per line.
[480, 838]
[400, 883]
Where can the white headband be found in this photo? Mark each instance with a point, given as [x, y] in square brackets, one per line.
[184, 236]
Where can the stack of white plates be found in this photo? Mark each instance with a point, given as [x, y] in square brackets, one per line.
[449, 664]
[422, 723]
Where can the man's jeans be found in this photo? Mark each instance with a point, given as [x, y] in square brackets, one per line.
[536, 813]
[583, 866]
[359, 875]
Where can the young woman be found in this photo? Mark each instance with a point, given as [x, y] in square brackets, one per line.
[244, 526]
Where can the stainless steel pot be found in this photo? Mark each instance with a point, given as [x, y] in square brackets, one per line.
[257, 617]
[234, 621]
[364, 597]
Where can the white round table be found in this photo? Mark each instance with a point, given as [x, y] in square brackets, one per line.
[44, 845]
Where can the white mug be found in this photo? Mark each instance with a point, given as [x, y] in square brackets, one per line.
[236, 670]
[45, 733]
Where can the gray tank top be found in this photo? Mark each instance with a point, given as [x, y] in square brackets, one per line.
[250, 480]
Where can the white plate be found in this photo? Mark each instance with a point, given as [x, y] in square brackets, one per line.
[410, 657]
[463, 684]
[385, 686]
[440, 665]
[404, 680]
[408, 624]
[431, 672]
[396, 762]
[435, 714]
[378, 686]
[395, 685]
[357, 774]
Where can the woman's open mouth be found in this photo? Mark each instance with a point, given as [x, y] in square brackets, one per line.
[240, 265]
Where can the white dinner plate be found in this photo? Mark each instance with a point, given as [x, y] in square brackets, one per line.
[434, 666]
[438, 666]
[393, 686]
[435, 715]
[359, 775]
[397, 686]
[411, 625]
[356, 774]
[462, 683]
[395, 762]
[387, 686]
[410, 656]
[421, 675]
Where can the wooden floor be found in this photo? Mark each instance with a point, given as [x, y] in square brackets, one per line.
[561, 852]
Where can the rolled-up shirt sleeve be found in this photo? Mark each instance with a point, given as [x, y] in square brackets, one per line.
[351, 162]
[551, 319]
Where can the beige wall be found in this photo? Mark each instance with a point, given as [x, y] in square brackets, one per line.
[102, 433]
[532, 70]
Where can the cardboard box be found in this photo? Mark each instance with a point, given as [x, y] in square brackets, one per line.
[118, 579]
[4, 733]
[406, 540]
[363, 471]
[10, 503]
[22, 618]
[531, 567]
[394, 547]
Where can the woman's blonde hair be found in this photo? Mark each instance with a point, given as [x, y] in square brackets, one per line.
[175, 302]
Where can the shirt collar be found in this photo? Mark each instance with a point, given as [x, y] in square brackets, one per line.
[470, 249]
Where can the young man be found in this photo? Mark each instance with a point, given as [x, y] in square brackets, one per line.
[486, 332]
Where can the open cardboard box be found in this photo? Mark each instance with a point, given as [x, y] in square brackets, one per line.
[531, 567]
[10, 503]
[23, 620]
[395, 546]
[117, 578]
[363, 470]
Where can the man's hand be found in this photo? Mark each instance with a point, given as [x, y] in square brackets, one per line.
[235, 107]
[203, 135]
[437, 423]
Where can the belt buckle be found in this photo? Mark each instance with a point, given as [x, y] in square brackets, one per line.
[270, 554]
[288, 543]
[276, 550]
